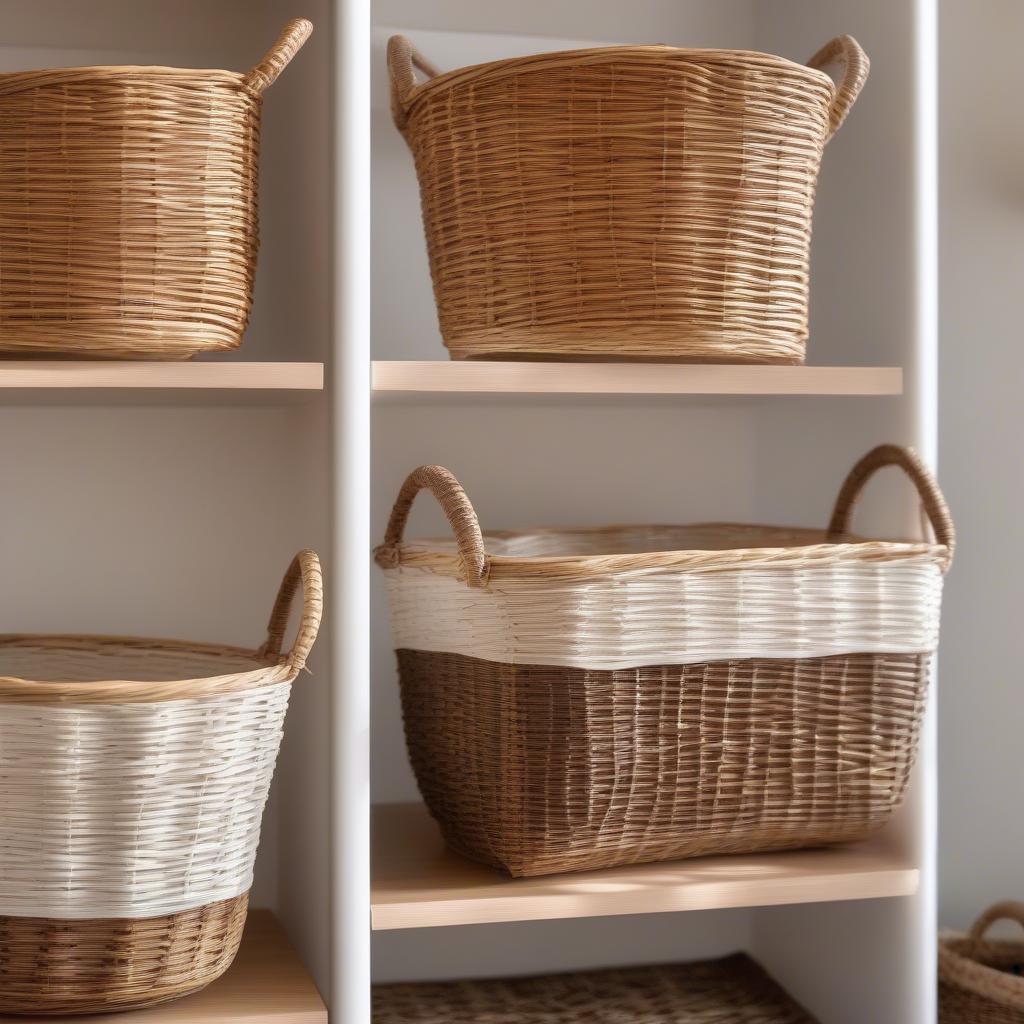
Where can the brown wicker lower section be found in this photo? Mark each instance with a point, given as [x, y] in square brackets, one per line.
[62, 967]
[537, 769]
[734, 990]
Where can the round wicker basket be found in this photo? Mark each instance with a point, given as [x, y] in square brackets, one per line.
[135, 773]
[579, 699]
[640, 202]
[128, 199]
[981, 980]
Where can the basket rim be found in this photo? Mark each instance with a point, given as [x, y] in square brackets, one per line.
[497, 69]
[958, 968]
[18, 690]
[18, 81]
[429, 552]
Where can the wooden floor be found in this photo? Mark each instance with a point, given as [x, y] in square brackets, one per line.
[267, 984]
[419, 884]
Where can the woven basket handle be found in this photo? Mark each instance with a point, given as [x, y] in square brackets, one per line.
[846, 51]
[932, 501]
[1008, 910]
[403, 60]
[457, 509]
[305, 571]
[279, 56]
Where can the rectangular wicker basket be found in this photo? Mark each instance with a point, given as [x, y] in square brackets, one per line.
[628, 202]
[731, 990]
[128, 207]
[579, 699]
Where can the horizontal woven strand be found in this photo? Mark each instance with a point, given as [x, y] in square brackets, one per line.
[61, 967]
[540, 769]
[734, 990]
[133, 810]
[671, 617]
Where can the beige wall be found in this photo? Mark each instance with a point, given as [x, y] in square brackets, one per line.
[981, 697]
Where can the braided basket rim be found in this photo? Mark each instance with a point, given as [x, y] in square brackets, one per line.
[496, 70]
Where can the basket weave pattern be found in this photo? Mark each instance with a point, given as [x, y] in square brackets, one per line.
[597, 769]
[135, 776]
[627, 202]
[734, 990]
[103, 965]
[128, 207]
[585, 698]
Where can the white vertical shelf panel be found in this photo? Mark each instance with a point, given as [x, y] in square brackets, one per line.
[350, 715]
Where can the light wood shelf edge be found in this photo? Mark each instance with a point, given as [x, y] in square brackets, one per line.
[418, 377]
[235, 375]
[418, 884]
[266, 984]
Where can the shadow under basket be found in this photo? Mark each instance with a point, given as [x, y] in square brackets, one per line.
[135, 773]
[581, 699]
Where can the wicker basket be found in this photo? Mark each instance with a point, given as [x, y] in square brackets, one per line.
[134, 778]
[981, 980]
[579, 699]
[639, 202]
[128, 207]
[734, 990]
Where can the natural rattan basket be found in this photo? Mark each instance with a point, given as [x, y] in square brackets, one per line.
[578, 699]
[134, 778]
[639, 202]
[981, 980]
[734, 990]
[128, 207]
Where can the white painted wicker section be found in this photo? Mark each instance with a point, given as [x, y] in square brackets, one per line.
[673, 618]
[133, 810]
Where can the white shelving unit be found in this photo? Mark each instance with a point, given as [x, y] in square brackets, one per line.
[166, 498]
[849, 932]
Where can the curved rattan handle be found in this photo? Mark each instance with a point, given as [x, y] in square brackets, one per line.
[279, 56]
[305, 571]
[1008, 910]
[846, 51]
[403, 60]
[457, 509]
[934, 503]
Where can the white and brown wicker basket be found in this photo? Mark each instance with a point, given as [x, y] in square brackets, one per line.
[134, 774]
[733, 990]
[981, 979]
[128, 207]
[579, 699]
[637, 202]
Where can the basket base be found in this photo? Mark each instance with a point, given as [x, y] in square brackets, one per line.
[62, 967]
[629, 342]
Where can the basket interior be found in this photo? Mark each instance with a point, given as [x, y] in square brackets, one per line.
[83, 659]
[630, 540]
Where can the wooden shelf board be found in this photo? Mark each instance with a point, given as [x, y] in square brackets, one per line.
[91, 382]
[266, 984]
[419, 884]
[522, 378]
